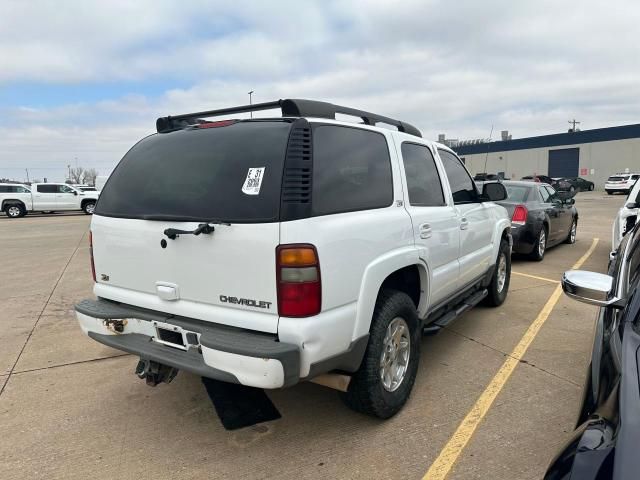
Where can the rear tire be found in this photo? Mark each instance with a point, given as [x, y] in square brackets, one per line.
[591, 188]
[609, 192]
[395, 323]
[15, 211]
[540, 246]
[89, 208]
[571, 237]
[499, 286]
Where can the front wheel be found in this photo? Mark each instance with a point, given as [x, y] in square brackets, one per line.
[499, 286]
[384, 381]
[571, 237]
[89, 208]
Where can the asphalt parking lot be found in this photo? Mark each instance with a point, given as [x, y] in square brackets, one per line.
[71, 408]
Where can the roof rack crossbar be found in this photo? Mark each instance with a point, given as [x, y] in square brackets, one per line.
[289, 108]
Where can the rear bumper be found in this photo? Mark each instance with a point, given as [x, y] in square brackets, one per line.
[214, 351]
[524, 239]
[618, 188]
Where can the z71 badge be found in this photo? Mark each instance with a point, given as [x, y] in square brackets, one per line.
[245, 301]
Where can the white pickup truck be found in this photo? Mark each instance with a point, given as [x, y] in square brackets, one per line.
[17, 200]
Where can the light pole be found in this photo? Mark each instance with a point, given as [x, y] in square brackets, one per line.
[250, 102]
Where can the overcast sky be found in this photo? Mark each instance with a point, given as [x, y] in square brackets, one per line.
[81, 81]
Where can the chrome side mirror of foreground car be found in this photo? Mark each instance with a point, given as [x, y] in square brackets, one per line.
[590, 287]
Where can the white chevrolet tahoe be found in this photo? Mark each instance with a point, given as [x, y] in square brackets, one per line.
[271, 251]
[17, 200]
[626, 217]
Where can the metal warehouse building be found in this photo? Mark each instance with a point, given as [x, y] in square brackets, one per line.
[591, 154]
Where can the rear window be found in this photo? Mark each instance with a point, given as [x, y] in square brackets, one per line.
[231, 173]
[351, 170]
[616, 179]
[517, 193]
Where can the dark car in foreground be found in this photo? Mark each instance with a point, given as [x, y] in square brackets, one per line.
[541, 217]
[606, 441]
[559, 184]
[580, 184]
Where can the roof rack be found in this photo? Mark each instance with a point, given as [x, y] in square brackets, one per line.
[290, 108]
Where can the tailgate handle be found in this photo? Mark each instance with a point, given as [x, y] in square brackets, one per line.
[167, 291]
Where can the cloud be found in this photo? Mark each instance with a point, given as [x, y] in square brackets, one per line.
[447, 68]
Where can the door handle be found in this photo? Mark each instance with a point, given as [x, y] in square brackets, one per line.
[425, 231]
[464, 223]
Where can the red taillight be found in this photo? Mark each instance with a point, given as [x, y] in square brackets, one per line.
[298, 276]
[93, 267]
[520, 215]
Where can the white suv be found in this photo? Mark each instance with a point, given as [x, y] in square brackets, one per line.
[621, 182]
[270, 251]
[626, 217]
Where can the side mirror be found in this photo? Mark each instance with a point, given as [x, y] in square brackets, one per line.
[75, 193]
[590, 287]
[494, 192]
[633, 205]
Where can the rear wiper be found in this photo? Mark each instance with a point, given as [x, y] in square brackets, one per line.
[206, 228]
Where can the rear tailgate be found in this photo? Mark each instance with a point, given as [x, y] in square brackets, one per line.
[227, 173]
[227, 277]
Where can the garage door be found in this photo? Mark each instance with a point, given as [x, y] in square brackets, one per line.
[564, 162]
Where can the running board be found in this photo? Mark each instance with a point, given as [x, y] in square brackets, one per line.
[467, 304]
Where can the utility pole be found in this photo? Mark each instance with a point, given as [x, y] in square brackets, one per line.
[250, 102]
[27, 170]
[573, 122]
[69, 169]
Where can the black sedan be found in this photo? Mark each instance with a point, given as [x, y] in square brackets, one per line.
[559, 184]
[540, 217]
[605, 444]
[580, 184]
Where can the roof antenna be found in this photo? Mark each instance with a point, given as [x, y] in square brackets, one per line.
[487, 156]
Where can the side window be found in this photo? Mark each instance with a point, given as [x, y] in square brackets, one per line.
[351, 170]
[423, 181]
[65, 189]
[552, 192]
[4, 188]
[47, 188]
[462, 187]
[22, 190]
[543, 194]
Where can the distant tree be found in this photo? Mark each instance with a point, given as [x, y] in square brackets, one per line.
[75, 174]
[89, 176]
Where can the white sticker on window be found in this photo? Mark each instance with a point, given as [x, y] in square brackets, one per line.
[254, 181]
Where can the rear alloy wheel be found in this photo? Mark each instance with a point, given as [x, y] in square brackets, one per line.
[499, 286]
[540, 246]
[571, 238]
[89, 208]
[14, 211]
[384, 381]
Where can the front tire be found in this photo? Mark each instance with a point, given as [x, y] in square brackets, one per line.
[499, 286]
[540, 246]
[89, 208]
[384, 381]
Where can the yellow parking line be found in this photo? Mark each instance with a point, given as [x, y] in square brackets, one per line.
[451, 451]
[535, 276]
